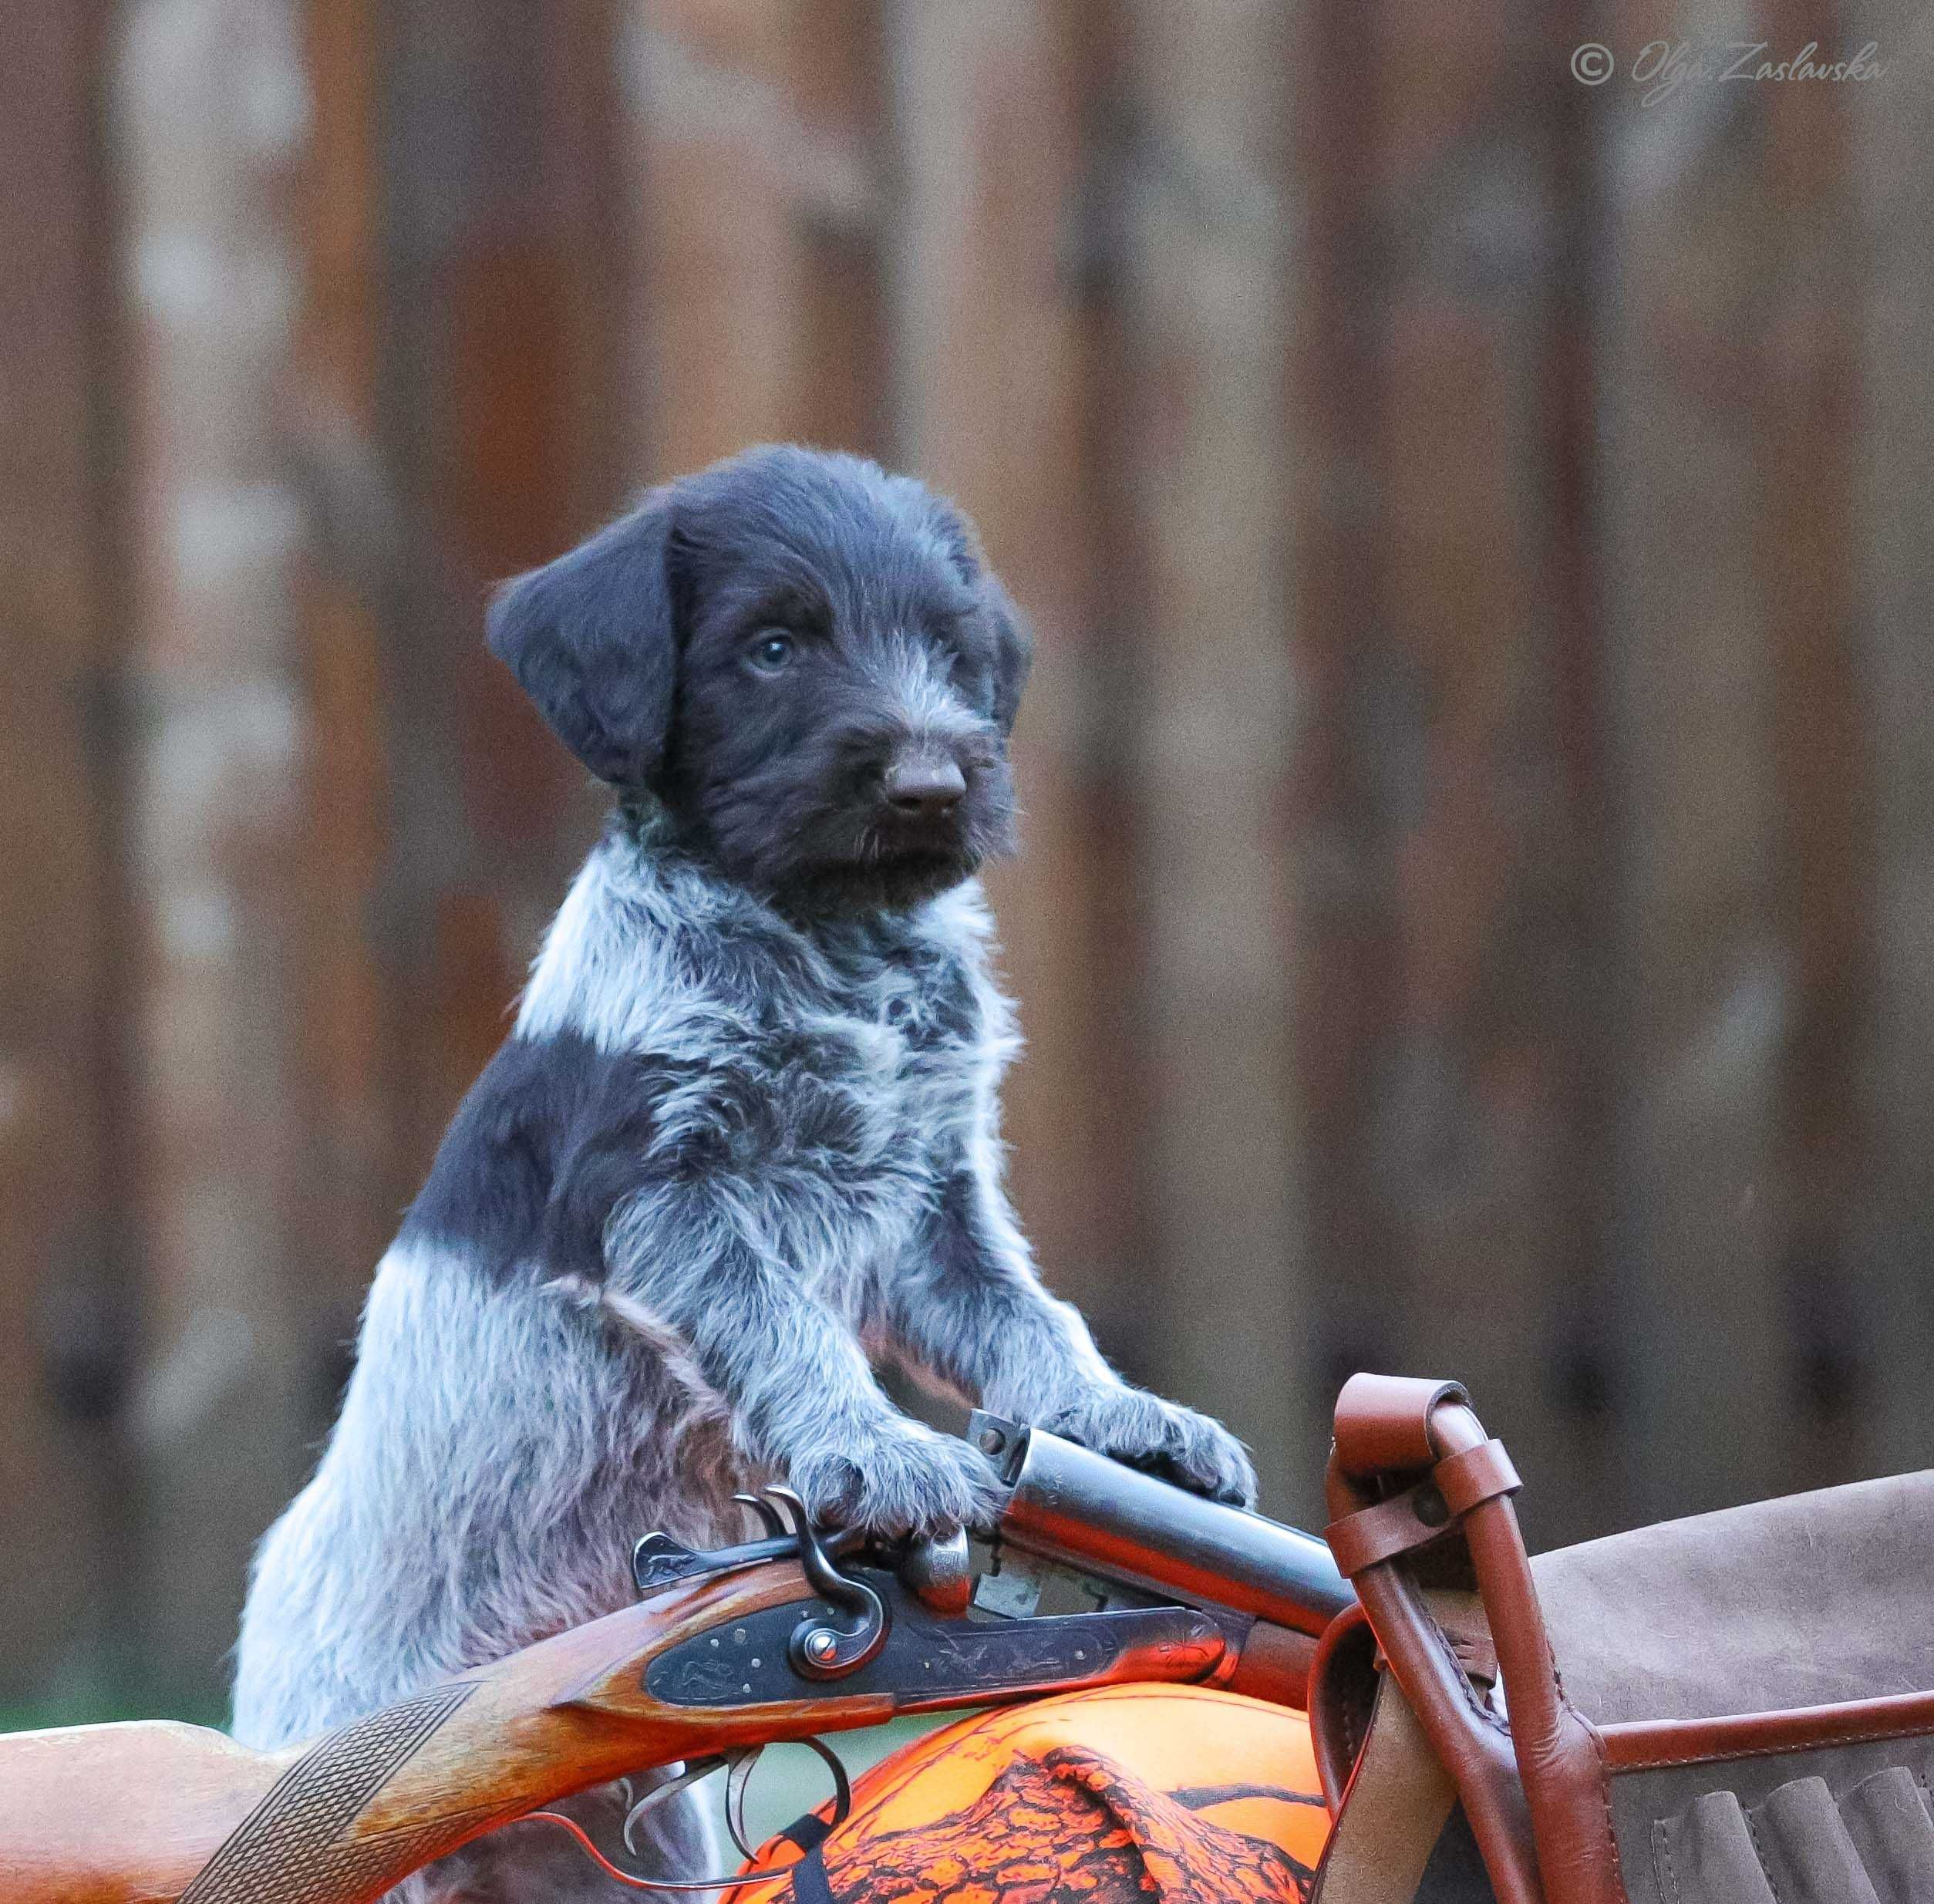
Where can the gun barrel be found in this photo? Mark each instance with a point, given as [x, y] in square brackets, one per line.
[1068, 1503]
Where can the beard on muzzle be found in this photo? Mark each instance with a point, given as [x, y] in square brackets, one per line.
[864, 859]
[832, 837]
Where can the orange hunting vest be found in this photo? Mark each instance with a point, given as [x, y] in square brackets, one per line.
[1121, 1796]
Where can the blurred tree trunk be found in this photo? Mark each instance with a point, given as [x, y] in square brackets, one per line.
[1693, 719]
[68, 1298]
[1893, 578]
[754, 136]
[212, 107]
[499, 384]
[1347, 775]
[1202, 386]
[355, 1138]
[1587, 1352]
[1450, 813]
[1001, 269]
[1809, 413]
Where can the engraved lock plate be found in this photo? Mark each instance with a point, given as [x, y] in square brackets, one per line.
[931, 1659]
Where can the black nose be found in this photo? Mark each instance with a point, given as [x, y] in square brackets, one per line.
[924, 785]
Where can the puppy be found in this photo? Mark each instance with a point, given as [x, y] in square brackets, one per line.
[742, 1138]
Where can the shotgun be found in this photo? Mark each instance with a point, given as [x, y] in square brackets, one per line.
[1096, 1574]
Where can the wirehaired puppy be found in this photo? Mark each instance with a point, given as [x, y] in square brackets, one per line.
[742, 1138]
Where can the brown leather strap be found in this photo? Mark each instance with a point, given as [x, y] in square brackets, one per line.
[1391, 1527]
[1383, 1422]
[1476, 1474]
[1343, 1679]
[1421, 1514]
[1560, 1758]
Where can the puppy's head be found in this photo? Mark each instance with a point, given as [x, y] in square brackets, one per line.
[804, 659]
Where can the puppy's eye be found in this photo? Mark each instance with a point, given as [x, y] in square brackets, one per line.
[772, 651]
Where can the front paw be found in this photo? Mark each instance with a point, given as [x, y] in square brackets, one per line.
[901, 1482]
[1160, 1437]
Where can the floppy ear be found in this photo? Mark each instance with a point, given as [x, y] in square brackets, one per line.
[1013, 651]
[592, 639]
[1014, 645]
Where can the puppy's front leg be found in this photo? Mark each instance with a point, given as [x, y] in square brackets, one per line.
[696, 1258]
[969, 1308]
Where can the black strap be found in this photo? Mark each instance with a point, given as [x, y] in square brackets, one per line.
[809, 1877]
[808, 1833]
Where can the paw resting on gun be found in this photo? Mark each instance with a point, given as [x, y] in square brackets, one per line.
[1160, 1437]
[901, 1480]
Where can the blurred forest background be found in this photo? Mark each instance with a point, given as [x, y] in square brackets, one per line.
[1477, 912]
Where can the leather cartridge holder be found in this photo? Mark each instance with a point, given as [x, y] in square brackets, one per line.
[1734, 1709]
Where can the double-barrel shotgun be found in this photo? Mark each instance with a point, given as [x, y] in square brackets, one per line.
[1097, 1574]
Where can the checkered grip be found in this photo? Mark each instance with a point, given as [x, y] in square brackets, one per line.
[290, 1849]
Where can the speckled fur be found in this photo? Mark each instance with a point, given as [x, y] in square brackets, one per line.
[733, 1151]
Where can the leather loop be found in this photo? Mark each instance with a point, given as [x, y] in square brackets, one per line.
[1418, 1516]
[1477, 1473]
[1393, 1527]
[1342, 1695]
[1383, 1422]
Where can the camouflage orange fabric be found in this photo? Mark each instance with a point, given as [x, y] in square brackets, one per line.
[1131, 1794]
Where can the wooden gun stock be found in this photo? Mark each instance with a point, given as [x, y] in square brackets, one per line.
[155, 1814]
[113, 1815]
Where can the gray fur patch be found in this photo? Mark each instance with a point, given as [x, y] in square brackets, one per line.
[818, 1169]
